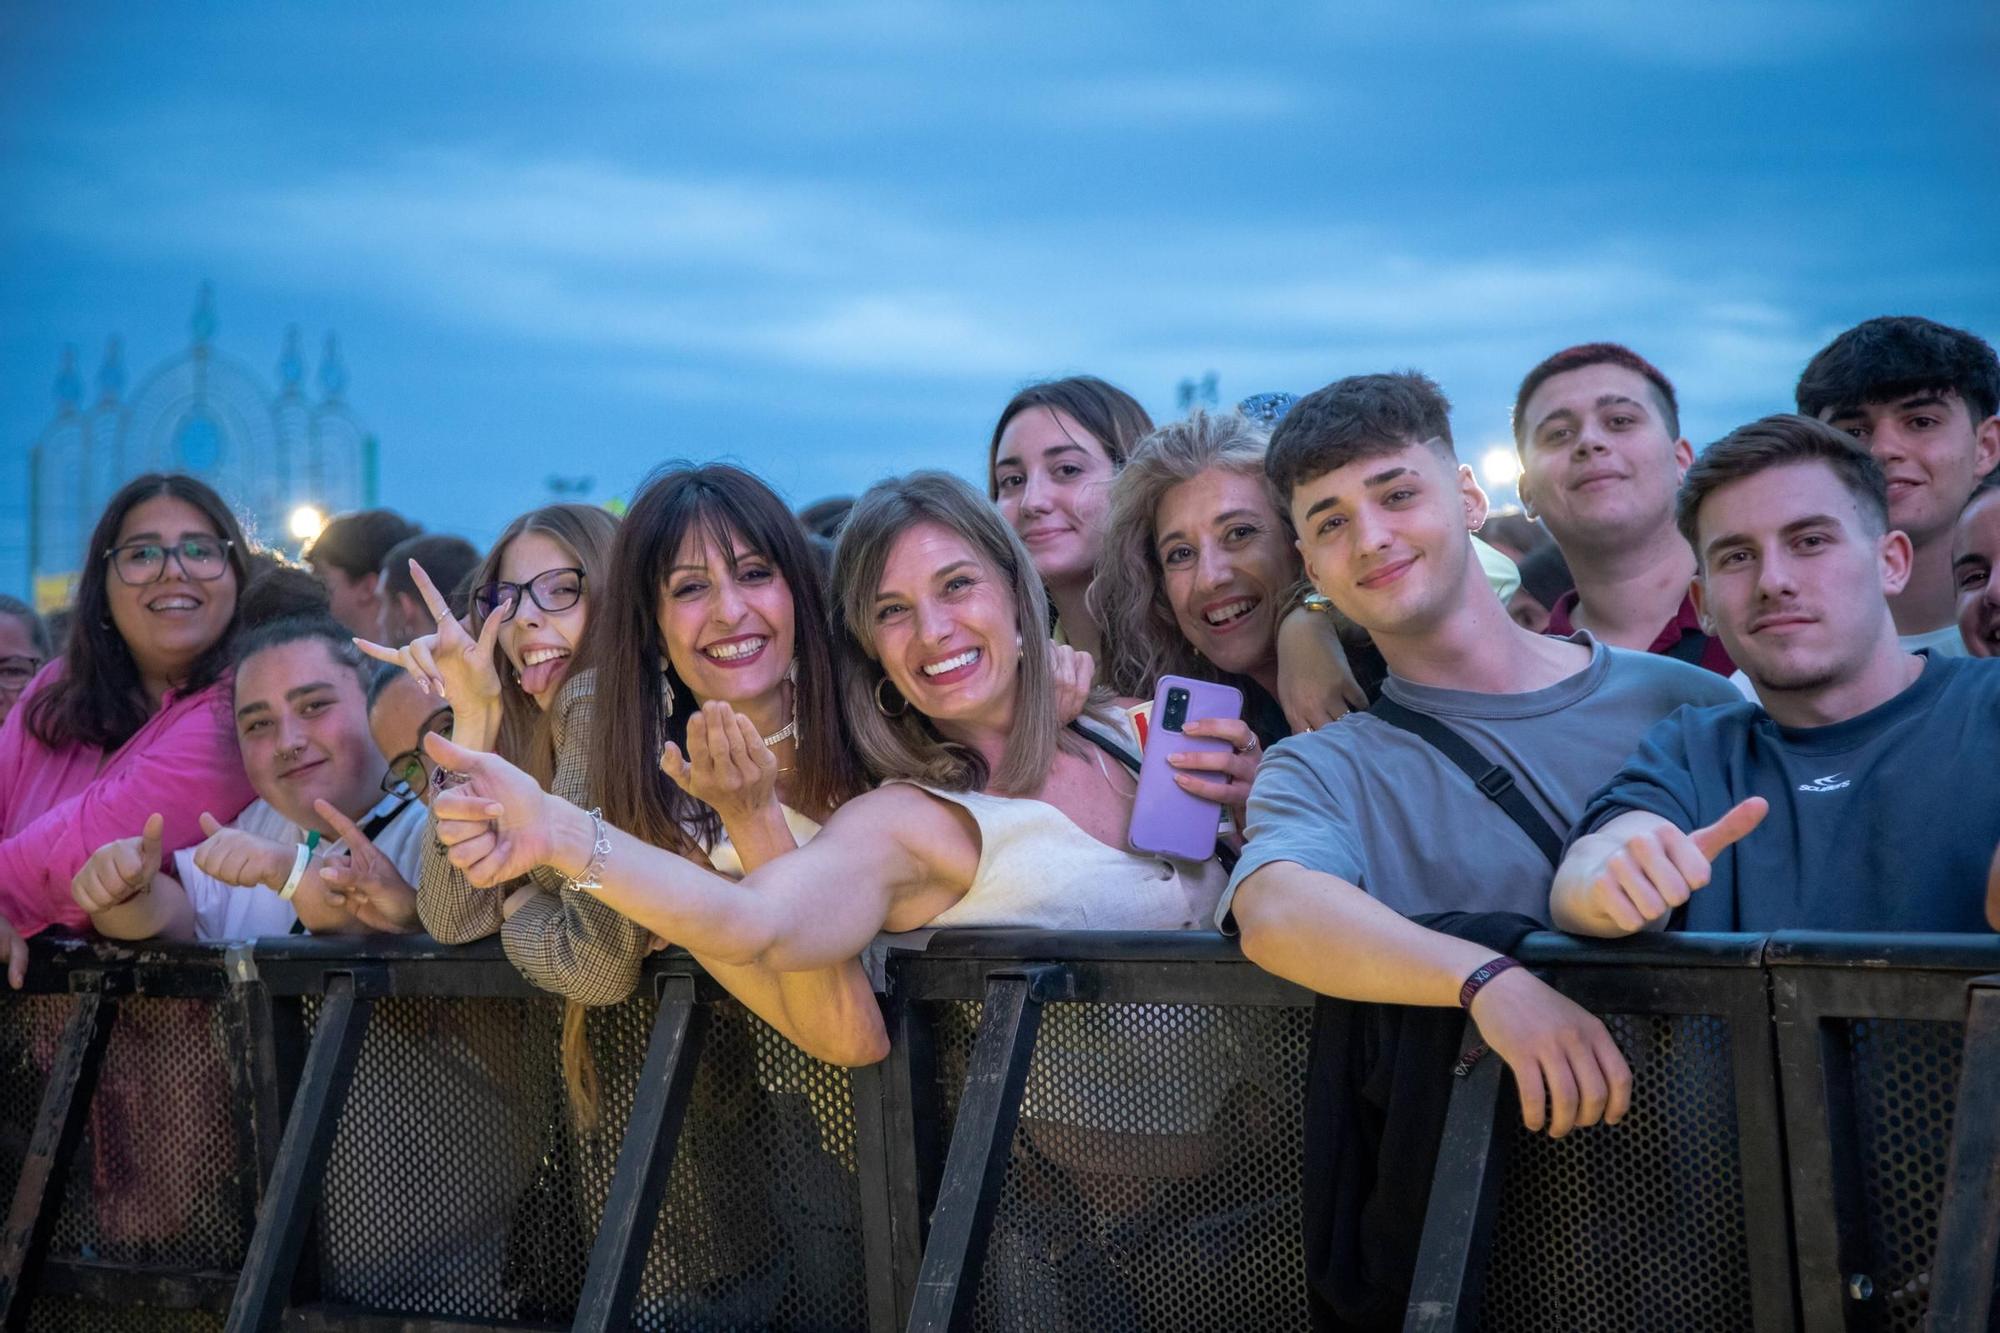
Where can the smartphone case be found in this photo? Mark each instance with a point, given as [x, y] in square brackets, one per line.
[1166, 820]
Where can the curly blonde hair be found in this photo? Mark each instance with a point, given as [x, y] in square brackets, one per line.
[1128, 598]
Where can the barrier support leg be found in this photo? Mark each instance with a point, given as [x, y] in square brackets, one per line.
[1969, 1218]
[645, 1160]
[58, 1128]
[981, 1141]
[1465, 1193]
[297, 1172]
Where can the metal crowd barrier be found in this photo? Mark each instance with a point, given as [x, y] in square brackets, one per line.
[1071, 1132]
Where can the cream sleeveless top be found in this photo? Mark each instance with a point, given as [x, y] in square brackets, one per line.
[1039, 870]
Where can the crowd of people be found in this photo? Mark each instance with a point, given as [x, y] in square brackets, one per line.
[1733, 689]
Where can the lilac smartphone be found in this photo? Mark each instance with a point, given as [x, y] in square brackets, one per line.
[1165, 819]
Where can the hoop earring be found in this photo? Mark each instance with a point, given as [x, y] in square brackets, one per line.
[882, 707]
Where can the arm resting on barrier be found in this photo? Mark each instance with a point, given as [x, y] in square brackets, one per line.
[831, 1013]
[164, 912]
[1331, 936]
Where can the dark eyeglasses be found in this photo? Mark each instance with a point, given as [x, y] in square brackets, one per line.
[202, 559]
[553, 590]
[16, 672]
[411, 770]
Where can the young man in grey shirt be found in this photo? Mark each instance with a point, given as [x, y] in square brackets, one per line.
[1358, 825]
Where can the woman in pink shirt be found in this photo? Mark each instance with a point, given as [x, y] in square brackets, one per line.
[135, 716]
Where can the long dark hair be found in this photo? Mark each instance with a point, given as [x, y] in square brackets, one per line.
[624, 633]
[99, 699]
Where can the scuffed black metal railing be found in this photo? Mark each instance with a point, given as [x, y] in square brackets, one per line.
[1082, 1132]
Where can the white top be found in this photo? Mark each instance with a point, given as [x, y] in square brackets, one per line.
[1945, 641]
[723, 855]
[236, 912]
[1039, 870]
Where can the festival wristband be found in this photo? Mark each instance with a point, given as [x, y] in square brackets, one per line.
[1483, 974]
[299, 861]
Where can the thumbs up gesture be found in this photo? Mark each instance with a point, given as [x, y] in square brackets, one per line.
[119, 871]
[240, 858]
[1656, 868]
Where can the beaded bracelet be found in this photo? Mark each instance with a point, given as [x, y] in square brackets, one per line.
[1481, 975]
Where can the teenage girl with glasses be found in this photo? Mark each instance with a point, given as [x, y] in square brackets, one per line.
[135, 716]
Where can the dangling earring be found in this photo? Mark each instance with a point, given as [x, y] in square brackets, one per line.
[792, 672]
[666, 694]
[882, 707]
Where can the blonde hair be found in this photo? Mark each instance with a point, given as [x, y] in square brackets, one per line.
[1128, 598]
[908, 744]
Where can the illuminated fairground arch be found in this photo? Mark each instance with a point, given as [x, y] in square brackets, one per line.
[267, 452]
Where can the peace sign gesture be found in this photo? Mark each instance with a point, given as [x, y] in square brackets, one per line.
[365, 883]
[450, 663]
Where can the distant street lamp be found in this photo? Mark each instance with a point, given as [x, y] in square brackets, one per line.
[306, 522]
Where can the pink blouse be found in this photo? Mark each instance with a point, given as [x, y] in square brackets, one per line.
[57, 806]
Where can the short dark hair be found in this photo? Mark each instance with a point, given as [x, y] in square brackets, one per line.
[1778, 441]
[355, 542]
[311, 627]
[279, 591]
[1112, 416]
[1895, 356]
[21, 611]
[450, 561]
[1362, 416]
[1598, 354]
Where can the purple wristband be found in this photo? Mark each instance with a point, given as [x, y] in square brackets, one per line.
[1484, 973]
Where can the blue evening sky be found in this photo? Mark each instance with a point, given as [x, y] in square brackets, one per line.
[829, 239]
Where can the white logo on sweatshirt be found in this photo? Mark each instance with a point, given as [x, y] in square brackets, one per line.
[1831, 782]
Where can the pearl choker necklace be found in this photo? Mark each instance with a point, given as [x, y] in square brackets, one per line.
[784, 733]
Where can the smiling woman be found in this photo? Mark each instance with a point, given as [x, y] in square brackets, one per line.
[990, 812]
[134, 719]
[1055, 450]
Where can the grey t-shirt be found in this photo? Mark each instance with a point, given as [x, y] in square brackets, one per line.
[1378, 807]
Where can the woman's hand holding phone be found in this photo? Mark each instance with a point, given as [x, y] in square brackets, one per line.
[1222, 778]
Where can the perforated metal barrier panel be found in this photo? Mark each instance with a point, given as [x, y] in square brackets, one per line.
[1153, 1181]
[1640, 1226]
[1905, 1080]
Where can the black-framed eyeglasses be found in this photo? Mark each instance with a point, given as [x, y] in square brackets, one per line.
[202, 559]
[410, 771]
[17, 671]
[552, 590]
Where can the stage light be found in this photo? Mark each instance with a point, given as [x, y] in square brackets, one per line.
[307, 522]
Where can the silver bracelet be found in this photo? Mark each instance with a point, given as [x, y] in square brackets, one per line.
[600, 852]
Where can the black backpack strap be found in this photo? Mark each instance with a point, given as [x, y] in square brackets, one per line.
[1495, 781]
[1690, 648]
[1108, 744]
